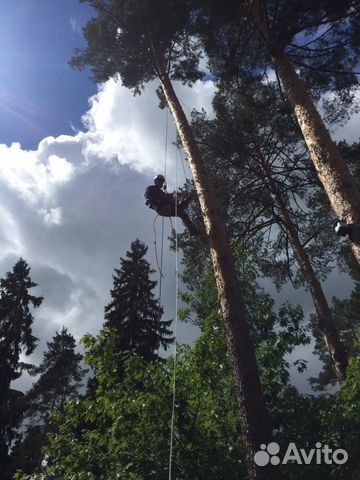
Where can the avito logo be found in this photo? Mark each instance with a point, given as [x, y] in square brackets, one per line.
[321, 454]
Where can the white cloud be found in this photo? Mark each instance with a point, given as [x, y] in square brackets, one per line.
[22, 171]
[75, 25]
[132, 129]
[72, 206]
[60, 169]
[119, 126]
[51, 215]
[10, 239]
[32, 177]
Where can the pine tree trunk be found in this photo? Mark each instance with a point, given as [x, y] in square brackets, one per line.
[325, 319]
[332, 170]
[254, 417]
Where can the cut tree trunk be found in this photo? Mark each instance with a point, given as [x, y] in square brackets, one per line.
[254, 417]
[332, 170]
[325, 318]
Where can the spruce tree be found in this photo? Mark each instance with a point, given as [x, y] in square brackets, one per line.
[60, 379]
[134, 313]
[16, 337]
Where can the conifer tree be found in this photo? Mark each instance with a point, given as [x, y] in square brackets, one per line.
[313, 50]
[16, 337]
[60, 376]
[60, 380]
[347, 316]
[269, 165]
[134, 314]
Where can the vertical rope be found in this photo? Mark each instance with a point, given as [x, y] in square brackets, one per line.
[175, 330]
[156, 254]
[166, 141]
[161, 259]
[162, 236]
[176, 292]
[162, 218]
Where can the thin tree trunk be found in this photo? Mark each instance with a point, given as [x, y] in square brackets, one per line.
[254, 417]
[325, 319]
[332, 170]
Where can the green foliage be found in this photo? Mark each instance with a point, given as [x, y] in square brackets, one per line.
[346, 312]
[60, 375]
[343, 421]
[124, 428]
[137, 41]
[124, 431]
[274, 335]
[134, 314]
[319, 39]
[60, 379]
[251, 132]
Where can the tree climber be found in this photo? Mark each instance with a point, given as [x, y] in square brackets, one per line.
[157, 198]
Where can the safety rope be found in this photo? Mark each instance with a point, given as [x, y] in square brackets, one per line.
[175, 330]
[160, 268]
[156, 254]
[162, 218]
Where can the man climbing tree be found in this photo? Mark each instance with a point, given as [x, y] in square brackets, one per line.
[15, 338]
[139, 41]
[168, 204]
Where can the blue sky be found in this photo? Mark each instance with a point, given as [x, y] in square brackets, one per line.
[40, 94]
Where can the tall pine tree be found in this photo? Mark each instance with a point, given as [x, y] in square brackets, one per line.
[313, 50]
[134, 314]
[15, 338]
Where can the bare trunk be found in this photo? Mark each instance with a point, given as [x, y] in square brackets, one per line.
[330, 166]
[325, 319]
[254, 416]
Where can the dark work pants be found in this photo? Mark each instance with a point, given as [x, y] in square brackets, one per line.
[168, 210]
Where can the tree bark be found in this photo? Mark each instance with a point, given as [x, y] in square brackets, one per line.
[332, 170]
[325, 318]
[254, 417]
